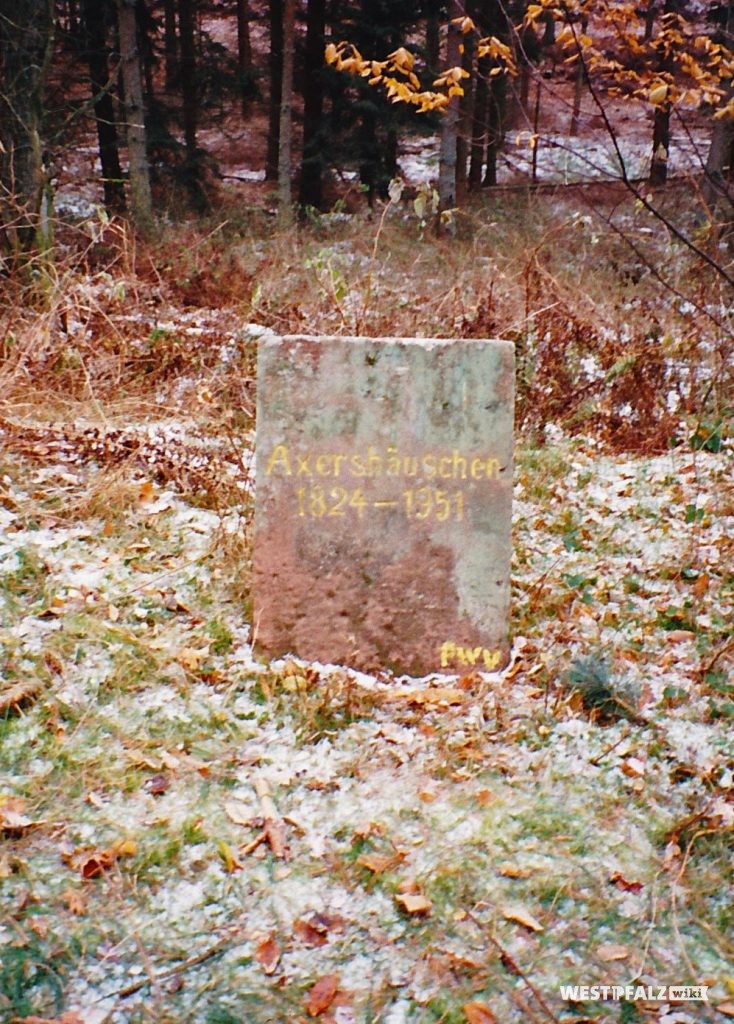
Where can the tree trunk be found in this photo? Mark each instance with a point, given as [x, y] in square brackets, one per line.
[661, 124]
[578, 87]
[650, 13]
[186, 28]
[433, 37]
[449, 125]
[147, 56]
[275, 70]
[479, 125]
[285, 130]
[170, 42]
[466, 117]
[716, 188]
[244, 53]
[95, 26]
[660, 145]
[141, 205]
[310, 190]
[495, 127]
[25, 51]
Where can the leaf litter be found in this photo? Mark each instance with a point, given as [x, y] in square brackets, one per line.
[246, 842]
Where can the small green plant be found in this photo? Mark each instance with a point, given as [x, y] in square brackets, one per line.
[591, 677]
[30, 980]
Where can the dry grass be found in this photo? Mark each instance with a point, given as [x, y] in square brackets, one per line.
[115, 330]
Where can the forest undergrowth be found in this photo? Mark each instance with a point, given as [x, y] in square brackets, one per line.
[189, 834]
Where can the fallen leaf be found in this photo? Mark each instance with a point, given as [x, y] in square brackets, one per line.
[726, 1008]
[322, 994]
[240, 813]
[13, 696]
[513, 871]
[229, 857]
[191, 657]
[309, 935]
[522, 916]
[610, 951]
[677, 636]
[93, 863]
[414, 903]
[478, 1013]
[618, 879]
[147, 491]
[633, 767]
[76, 901]
[124, 848]
[431, 695]
[14, 821]
[157, 784]
[380, 862]
[267, 954]
[485, 797]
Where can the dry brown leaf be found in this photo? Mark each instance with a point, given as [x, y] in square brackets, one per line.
[513, 871]
[485, 797]
[618, 879]
[157, 784]
[267, 954]
[677, 636]
[380, 862]
[522, 916]
[322, 994]
[191, 657]
[92, 863]
[13, 696]
[147, 491]
[14, 821]
[610, 951]
[76, 901]
[633, 767]
[431, 695]
[478, 1013]
[726, 1008]
[309, 935]
[414, 903]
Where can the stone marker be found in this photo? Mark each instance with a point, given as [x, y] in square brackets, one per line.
[383, 502]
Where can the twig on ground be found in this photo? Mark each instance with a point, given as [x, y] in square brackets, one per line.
[194, 961]
[607, 750]
[511, 965]
[273, 825]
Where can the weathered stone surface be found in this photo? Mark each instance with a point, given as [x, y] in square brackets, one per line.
[384, 488]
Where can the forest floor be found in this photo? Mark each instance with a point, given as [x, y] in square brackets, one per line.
[188, 834]
[446, 849]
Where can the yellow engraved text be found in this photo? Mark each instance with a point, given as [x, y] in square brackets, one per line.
[453, 655]
[376, 463]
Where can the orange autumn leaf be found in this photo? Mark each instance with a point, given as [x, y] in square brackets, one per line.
[414, 903]
[267, 954]
[478, 1013]
[322, 994]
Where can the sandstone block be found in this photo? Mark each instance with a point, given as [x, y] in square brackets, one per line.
[383, 502]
